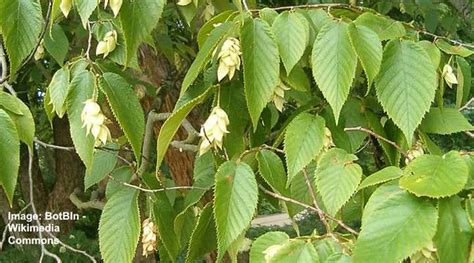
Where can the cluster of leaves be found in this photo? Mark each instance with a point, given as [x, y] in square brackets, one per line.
[329, 59]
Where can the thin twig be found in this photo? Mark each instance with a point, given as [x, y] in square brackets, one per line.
[246, 6]
[44, 251]
[158, 190]
[290, 200]
[186, 145]
[361, 129]
[467, 105]
[321, 214]
[4, 75]
[4, 234]
[52, 146]
[89, 41]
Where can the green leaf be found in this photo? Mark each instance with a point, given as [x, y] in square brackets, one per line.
[291, 32]
[272, 170]
[203, 238]
[126, 108]
[236, 196]
[297, 79]
[58, 90]
[337, 178]
[24, 122]
[102, 165]
[385, 27]
[435, 176]
[138, 19]
[382, 176]
[209, 26]
[334, 63]
[406, 84]
[171, 125]
[80, 90]
[453, 50]
[261, 66]
[454, 235]
[21, 26]
[394, 219]
[303, 142]
[119, 226]
[232, 101]
[268, 15]
[85, 8]
[445, 121]
[9, 146]
[433, 52]
[57, 44]
[338, 258]
[368, 49]
[464, 79]
[202, 57]
[10, 103]
[263, 242]
[295, 251]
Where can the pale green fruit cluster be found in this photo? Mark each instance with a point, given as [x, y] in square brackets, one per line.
[279, 96]
[414, 152]
[115, 5]
[107, 44]
[149, 238]
[449, 76]
[229, 58]
[213, 130]
[94, 121]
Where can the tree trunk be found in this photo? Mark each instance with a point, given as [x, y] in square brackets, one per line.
[69, 174]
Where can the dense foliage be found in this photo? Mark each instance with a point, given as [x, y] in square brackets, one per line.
[335, 109]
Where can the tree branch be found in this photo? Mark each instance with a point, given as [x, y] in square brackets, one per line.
[158, 190]
[186, 145]
[320, 212]
[290, 200]
[361, 129]
[96, 204]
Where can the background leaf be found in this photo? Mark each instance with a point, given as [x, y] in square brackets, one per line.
[291, 32]
[334, 63]
[24, 122]
[295, 251]
[396, 219]
[85, 8]
[445, 121]
[138, 19]
[381, 176]
[21, 25]
[56, 43]
[235, 201]
[263, 242]
[337, 178]
[9, 146]
[303, 141]
[368, 49]
[126, 108]
[385, 27]
[261, 66]
[119, 227]
[272, 170]
[435, 176]
[103, 164]
[58, 90]
[454, 236]
[203, 238]
[80, 90]
[406, 84]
